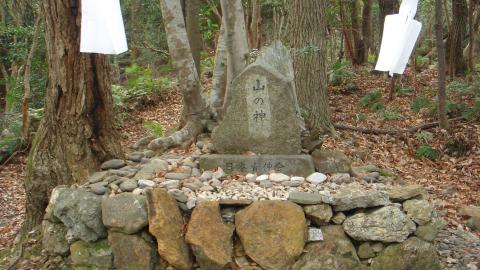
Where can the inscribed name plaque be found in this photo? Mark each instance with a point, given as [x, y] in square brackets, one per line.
[262, 116]
[298, 165]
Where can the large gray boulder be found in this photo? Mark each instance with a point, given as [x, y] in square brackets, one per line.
[412, 254]
[419, 211]
[350, 198]
[81, 212]
[125, 213]
[387, 224]
[335, 252]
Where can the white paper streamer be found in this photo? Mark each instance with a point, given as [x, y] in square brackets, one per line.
[400, 34]
[102, 27]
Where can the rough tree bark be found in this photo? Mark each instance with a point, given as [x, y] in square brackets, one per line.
[236, 41]
[77, 132]
[308, 30]
[442, 112]
[456, 61]
[195, 107]
[359, 45]
[255, 29]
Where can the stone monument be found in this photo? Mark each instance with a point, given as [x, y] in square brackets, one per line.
[263, 118]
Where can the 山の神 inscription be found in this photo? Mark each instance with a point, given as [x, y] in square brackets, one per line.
[258, 107]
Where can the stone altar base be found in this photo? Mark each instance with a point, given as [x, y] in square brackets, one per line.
[294, 165]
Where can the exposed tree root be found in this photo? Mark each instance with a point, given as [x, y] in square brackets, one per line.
[182, 138]
[380, 131]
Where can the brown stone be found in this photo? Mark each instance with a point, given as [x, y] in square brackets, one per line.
[403, 193]
[232, 202]
[210, 238]
[132, 252]
[319, 214]
[273, 233]
[166, 224]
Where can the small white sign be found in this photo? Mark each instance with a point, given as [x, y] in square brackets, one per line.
[102, 29]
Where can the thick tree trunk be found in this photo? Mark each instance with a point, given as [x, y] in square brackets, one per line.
[77, 132]
[442, 112]
[456, 61]
[195, 107]
[236, 40]
[346, 31]
[255, 30]
[192, 12]
[308, 29]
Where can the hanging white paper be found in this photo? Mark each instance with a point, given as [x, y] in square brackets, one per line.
[400, 34]
[102, 27]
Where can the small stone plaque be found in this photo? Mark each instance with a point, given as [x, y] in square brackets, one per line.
[314, 234]
[293, 165]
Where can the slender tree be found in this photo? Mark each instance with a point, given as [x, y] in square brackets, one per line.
[442, 112]
[456, 62]
[192, 16]
[308, 35]
[77, 132]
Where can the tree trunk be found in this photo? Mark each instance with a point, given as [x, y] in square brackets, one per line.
[219, 79]
[195, 108]
[255, 30]
[442, 112]
[3, 93]
[471, 36]
[457, 64]
[192, 11]
[367, 28]
[26, 80]
[356, 33]
[346, 33]
[77, 132]
[236, 40]
[308, 30]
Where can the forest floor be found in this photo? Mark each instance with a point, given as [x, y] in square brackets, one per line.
[451, 181]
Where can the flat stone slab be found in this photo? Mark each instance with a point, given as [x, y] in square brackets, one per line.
[297, 165]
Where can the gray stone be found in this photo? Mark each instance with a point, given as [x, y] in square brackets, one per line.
[403, 193]
[319, 214]
[96, 255]
[365, 251]
[278, 177]
[178, 195]
[145, 183]
[300, 165]
[427, 232]
[309, 198]
[177, 176]
[125, 213]
[262, 115]
[128, 185]
[51, 204]
[387, 224]
[316, 178]
[419, 211]
[171, 184]
[81, 212]
[350, 198]
[206, 175]
[53, 240]
[113, 164]
[152, 169]
[341, 178]
[135, 156]
[339, 218]
[411, 254]
[143, 142]
[265, 184]
[97, 177]
[98, 189]
[331, 161]
[314, 234]
[335, 252]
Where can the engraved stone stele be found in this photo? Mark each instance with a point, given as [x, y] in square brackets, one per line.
[263, 113]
